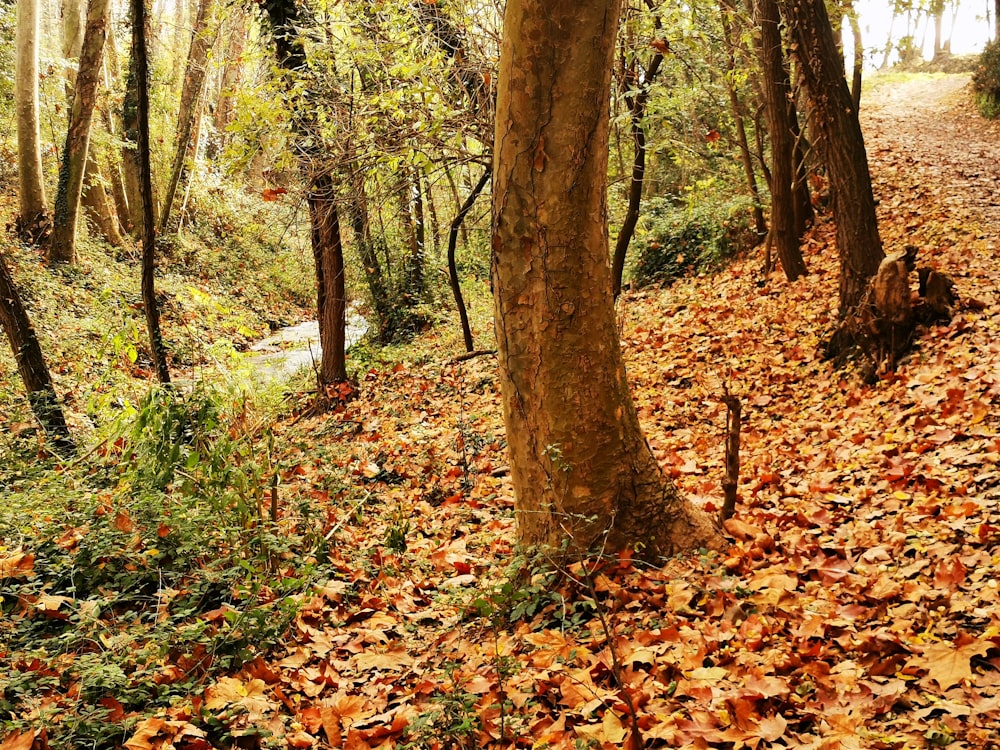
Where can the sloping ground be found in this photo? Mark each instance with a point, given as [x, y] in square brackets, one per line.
[856, 608]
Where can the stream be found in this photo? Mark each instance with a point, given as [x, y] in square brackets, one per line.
[288, 350]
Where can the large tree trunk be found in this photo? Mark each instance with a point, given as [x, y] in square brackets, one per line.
[202, 40]
[32, 221]
[581, 468]
[777, 93]
[148, 227]
[62, 248]
[30, 363]
[837, 133]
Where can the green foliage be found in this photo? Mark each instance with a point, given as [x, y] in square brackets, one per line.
[683, 239]
[986, 81]
[155, 565]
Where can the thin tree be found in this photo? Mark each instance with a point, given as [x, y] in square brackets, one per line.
[728, 11]
[202, 40]
[837, 133]
[32, 221]
[582, 471]
[331, 299]
[148, 227]
[777, 95]
[456, 286]
[62, 248]
[31, 364]
[642, 82]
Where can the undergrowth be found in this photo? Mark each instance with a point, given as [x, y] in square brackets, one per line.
[140, 574]
[680, 239]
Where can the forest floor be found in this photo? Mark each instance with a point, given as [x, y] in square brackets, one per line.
[856, 608]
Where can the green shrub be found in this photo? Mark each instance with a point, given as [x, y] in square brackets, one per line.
[682, 239]
[986, 81]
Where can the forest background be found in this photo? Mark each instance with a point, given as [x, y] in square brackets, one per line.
[232, 560]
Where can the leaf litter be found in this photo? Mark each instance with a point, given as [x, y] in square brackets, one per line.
[857, 606]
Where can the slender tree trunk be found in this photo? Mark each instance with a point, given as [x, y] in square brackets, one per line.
[859, 54]
[738, 118]
[232, 69]
[148, 226]
[456, 286]
[432, 215]
[62, 248]
[582, 470]
[130, 149]
[30, 363]
[777, 91]
[32, 220]
[637, 112]
[205, 30]
[98, 205]
[327, 244]
[838, 136]
[418, 260]
[331, 295]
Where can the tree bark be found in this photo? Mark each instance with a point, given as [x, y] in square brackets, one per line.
[62, 248]
[148, 226]
[837, 132]
[327, 244]
[32, 220]
[777, 94]
[582, 471]
[331, 294]
[203, 37]
[31, 364]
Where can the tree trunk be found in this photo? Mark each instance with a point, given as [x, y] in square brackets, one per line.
[637, 111]
[146, 191]
[738, 118]
[859, 54]
[777, 94]
[324, 216]
[32, 221]
[130, 136]
[31, 364]
[232, 69]
[331, 295]
[98, 205]
[62, 248]
[837, 133]
[582, 470]
[205, 30]
[456, 286]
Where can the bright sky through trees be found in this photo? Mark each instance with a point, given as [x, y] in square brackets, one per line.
[970, 34]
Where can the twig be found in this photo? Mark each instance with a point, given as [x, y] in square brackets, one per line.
[731, 481]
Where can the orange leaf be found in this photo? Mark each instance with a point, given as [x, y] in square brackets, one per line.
[16, 566]
[20, 741]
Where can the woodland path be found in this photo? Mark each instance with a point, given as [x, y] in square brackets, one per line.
[926, 133]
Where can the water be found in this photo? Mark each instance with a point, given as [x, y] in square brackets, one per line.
[287, 351]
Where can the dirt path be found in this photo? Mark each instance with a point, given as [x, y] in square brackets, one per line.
[927, 133]
[936, 171]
